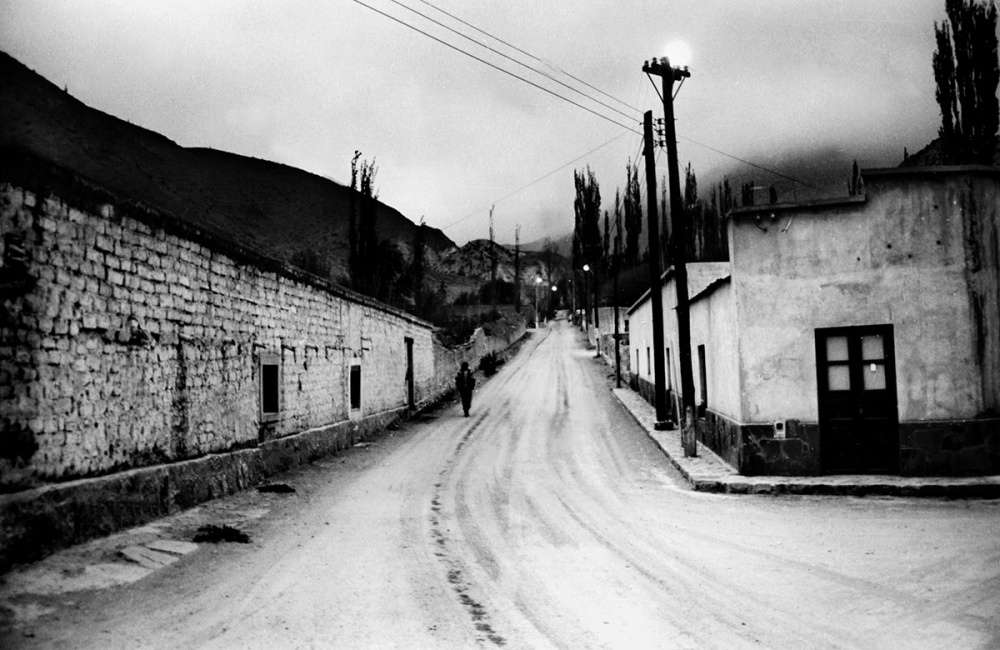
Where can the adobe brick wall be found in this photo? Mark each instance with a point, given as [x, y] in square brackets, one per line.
[130, 340]
[135, 346]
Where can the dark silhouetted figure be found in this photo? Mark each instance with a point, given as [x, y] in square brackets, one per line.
[465, 382]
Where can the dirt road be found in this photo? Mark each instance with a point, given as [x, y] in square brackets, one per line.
[548, 519]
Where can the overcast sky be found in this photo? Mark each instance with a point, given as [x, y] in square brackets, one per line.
[305, 83]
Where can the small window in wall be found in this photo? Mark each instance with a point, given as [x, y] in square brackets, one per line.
[270, 386]
[355, 386]
[704, 380]
[648, 369]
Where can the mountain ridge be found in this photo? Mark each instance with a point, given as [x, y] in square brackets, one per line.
[268, 205]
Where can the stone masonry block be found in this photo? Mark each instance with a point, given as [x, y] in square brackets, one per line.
[104, 244]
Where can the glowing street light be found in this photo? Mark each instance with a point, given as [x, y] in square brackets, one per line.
[538, 282]
[678, 54]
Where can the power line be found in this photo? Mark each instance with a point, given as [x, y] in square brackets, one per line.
[536, 181]
[529, 55]
[551, 92]
[494, 66]
[747, 162]
[510, 58]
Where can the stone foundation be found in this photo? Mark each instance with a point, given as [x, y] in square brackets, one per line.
[38, 521]
[950, 448]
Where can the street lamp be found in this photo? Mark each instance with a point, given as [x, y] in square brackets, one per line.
[586, 300]
[552, 301]
[671, 73]
[538, 281]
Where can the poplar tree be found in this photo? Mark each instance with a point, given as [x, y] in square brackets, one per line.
[966, 72]
[417, 266]
[517, 268]
[632, 207]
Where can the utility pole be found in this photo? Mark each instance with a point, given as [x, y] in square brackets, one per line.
[493, 265]
[655, 285]
[517, 269]
[573, 286]
[670, 74]
[597, 314]
[615, 261]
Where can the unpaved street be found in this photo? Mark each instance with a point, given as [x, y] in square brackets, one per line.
[548, 519]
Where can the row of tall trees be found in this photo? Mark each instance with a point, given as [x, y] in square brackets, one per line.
[620, 247]
[376, 267]
[966, 73]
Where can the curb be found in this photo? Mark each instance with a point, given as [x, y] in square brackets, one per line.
[709, 473]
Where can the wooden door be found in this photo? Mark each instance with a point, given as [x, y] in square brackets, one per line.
[856, 376]
[410, 389]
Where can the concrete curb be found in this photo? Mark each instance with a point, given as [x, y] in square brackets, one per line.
[709, 473]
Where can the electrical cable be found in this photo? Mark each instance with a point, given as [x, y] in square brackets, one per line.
[529, 55]
[512, 59]
[747, 162]
[551, 92]
[494, 66]
[537, 180]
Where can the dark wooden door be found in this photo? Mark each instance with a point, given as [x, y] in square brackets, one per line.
[856, 375]
[410, 397]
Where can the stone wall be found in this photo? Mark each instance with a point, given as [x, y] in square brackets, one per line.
[135, 345]
[132, 340]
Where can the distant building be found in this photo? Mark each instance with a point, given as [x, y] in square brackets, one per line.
[856, 335]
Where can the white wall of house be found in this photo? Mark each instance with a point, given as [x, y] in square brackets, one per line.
[700, 276]
[896, 256]
[713, 325]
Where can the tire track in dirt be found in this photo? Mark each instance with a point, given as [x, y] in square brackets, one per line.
[455, 475]
[453, 568]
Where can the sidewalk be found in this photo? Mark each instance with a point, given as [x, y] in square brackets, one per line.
[709, 473]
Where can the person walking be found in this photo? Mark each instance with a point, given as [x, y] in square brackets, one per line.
[465, 382]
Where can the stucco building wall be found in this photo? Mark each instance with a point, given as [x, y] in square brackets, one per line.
[917, 252]
[896, 259]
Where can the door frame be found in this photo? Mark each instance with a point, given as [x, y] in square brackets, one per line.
[410, 387]
[855, 398]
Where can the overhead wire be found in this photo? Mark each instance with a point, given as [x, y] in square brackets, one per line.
[510, 58]
[747, 162]
[492, 65]
[529, 55]
[537, 180]
[549, 91]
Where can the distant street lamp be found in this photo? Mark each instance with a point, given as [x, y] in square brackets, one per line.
[538, 282]
[586, 300]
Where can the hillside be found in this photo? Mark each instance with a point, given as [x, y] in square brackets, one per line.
[467, 268]
[932, 155]
[272, 207]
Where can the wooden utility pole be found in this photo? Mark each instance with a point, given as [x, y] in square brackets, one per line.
[655, 285]
[517, 269]
[493, 264]
[670, 74]
[597, 313]
[615, 262]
